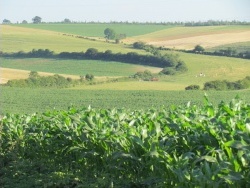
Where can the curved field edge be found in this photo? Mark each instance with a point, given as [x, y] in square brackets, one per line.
[182, 147]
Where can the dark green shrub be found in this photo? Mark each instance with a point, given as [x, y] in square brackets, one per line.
[139, 45]
[89, 77]
[168, 71]
[192, 87]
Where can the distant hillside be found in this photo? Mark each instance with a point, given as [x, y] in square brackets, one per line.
[97, 30]
[188, 37]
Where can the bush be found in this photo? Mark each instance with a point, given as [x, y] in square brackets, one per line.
[89, 77]
[192, 87]
[168, 71]
[226, 85]
[139, 45]
[145, 76]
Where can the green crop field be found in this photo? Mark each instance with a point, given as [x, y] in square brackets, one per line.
[239, 47]
[189, 146]
[97, 30]
[30, 100]
[14, 39]
[75, 67]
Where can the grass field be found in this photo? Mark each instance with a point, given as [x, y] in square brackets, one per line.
[28, 100]
[188, 37]
[239, 47]
[15, 39]
[97, 30]
[75, 67]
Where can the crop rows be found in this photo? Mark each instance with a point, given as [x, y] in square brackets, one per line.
[187, 146]
[29, 100]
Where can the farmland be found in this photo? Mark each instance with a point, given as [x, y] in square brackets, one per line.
[183, 147]
[74, 67]
[16, 39]
[188, 37]
[118, 131]
[96, 30]
[29, 100]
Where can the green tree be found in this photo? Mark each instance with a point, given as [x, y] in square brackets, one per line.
[109, 33]
[37, 20]
[89, 77]
[199, 49]
[5, 21]
[33, 74]
[91, 52]
[24, 22]
[139, 45]
[66, 20]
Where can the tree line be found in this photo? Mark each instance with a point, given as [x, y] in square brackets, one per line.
[167, 61]
[38, 19]
[229, 52]
[221, 85]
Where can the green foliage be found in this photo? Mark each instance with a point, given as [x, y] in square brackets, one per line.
[185, 146]
[226, 85]
[35, 80]
[198, 49]
[192, 87]
[37, 20]
[109, 33]
[89, 77]
[168, 71]
[139, 45]
[5, 21]
[145, 76]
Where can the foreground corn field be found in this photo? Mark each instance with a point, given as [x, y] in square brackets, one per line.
[186, 146]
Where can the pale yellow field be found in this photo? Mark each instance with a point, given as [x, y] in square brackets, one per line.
[207, 41]
[7, 74]
[188, 37]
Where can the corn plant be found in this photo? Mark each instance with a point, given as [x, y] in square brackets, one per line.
[185, 146]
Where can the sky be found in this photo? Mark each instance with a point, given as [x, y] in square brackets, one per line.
[125, 10]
